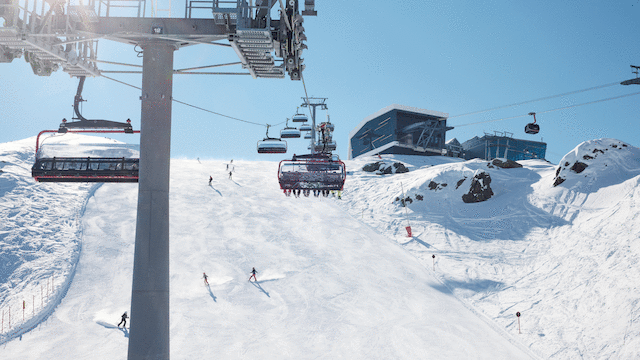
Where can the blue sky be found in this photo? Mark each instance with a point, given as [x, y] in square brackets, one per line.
[455, 58]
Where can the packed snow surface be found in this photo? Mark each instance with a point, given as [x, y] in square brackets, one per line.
[337, 278]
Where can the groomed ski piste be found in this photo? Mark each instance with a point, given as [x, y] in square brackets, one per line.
[337, 278]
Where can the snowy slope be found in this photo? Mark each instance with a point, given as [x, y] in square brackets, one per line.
[565, 257]
[40, 239]
[329, 287]
[340, 278]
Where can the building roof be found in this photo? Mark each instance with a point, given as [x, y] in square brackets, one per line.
[396, 107]
[454, 142]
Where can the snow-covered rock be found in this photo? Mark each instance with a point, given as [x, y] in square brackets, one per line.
[598, 163]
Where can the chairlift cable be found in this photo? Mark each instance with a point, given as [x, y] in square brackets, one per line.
[539, 99]
[306, 95]
[552, 110]
[194, 106]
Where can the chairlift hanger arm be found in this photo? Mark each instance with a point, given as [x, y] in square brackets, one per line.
[84, 123]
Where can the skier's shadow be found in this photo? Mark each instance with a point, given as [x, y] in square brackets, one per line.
[216, 190]
[124, 330]
[211, 294]
[257, 285]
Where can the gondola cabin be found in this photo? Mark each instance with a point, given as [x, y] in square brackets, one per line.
[532, 128]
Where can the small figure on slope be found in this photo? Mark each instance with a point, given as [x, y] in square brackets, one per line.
[204, 276]
[253, 275]
[230, 174]
[210, 179]
[124, 320]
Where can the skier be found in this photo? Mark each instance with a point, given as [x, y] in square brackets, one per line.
[253, 275]
[124, 320]
[210, 179]
[230, 174]
[204, 276]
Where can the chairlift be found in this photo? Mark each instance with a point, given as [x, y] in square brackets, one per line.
[271, 145]
[318, 172]
[86, 169]
[289, 132]
[327, 147]
[532, 128]
[299, 117]
[305, 127]
[308, 136]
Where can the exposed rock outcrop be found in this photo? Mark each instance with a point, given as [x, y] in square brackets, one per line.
[480, 189]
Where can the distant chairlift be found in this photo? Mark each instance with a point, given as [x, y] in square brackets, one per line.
[308, 135]
[305, 127]
[532, 128]
[289, 132]
[299, 117]
[86, 169]
[325, 147]
[271, 145]
[312, 172]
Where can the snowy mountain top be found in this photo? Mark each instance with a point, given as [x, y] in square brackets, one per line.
[596, 164]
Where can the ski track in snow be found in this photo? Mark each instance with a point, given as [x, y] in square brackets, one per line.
[340, 279]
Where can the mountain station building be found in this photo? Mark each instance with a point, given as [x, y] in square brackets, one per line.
[399, 129]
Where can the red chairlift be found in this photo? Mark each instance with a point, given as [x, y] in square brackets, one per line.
[319, 172]
[86, 169]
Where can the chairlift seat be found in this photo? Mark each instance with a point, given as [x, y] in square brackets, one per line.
[288, 133]
[299, 118]
[325, 147]
[85, 169]
[305, 127]
[311, 173]
[272, 146]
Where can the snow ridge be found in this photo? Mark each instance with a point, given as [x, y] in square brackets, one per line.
[40, 240]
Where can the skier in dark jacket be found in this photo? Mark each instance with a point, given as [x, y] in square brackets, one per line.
[124, 320]
[253, 275]
[210, 179]
[206, 282]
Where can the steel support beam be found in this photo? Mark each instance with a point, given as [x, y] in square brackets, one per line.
[149, 334]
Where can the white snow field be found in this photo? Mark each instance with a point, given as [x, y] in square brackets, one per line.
[337, 279]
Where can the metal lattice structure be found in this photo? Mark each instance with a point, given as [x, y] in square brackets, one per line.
[54, 34]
